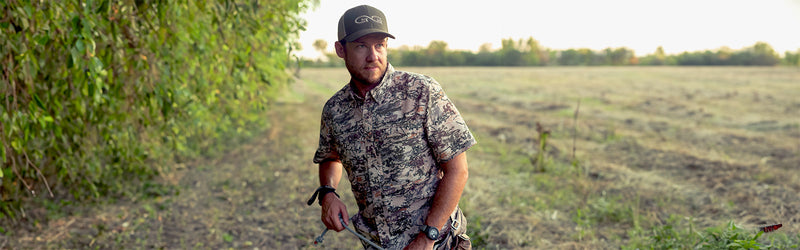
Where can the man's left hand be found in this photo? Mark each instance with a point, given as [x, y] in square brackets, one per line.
[421, 242]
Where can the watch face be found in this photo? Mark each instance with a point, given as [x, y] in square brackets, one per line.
[433, 234]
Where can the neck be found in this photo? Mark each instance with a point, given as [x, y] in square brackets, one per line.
[362, 87]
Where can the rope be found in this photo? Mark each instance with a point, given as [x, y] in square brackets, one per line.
[319, 239]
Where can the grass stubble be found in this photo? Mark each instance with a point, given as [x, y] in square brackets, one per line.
[657, 157]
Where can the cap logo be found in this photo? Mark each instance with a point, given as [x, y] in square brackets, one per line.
[365, 19]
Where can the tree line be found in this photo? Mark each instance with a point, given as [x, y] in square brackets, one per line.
[528, 52]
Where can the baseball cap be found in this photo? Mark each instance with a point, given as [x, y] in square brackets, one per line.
[360, 21]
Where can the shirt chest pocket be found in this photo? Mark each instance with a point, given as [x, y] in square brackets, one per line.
[405, 130]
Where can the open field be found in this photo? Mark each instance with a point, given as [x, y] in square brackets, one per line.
[688, 147]
[657, 150]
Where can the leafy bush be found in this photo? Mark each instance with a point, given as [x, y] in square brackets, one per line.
[97, 95]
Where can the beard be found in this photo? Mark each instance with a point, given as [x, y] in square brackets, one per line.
[360, 76]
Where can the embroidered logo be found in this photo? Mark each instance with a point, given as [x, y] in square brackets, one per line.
[366, 19]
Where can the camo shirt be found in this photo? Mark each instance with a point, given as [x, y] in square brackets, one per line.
[391, 143]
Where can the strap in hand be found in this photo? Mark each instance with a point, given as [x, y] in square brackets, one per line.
[322, 191]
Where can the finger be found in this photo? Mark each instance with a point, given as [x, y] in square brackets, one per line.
[345, 216]
[333, 219]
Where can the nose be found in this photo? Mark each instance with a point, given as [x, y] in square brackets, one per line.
[373, 54]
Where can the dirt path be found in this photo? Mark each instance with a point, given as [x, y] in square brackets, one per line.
[252, 197]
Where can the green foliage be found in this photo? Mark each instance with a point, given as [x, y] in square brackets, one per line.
[792, 59]
[478, 235]
[541, 153]
[668, 236]
[100, 94]
[731, 237]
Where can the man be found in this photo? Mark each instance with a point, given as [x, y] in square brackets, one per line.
[401, 141]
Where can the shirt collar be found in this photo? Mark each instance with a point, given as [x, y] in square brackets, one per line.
[379, 92]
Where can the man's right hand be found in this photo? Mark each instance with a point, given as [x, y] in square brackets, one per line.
[332, 208]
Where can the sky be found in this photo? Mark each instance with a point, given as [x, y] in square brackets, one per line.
[640, 25]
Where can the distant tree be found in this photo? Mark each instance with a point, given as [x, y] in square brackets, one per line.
[320, 45]
[510, 53]
[657, 58]
[485, 48]
[724, 56]
[764, 55]
[436, 53]
[570, 57]
[533, 55]
[485, 56]
[618, 56]
[792, 59]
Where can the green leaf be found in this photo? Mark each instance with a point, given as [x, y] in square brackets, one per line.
[42, 39]
[758, 235]
[80, 46]
[734, 245]
[97, 64]
[38, 102]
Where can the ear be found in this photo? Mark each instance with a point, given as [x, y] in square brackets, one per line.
[339, 49]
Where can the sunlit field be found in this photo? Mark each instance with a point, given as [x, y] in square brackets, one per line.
[567, 158]
[633, 154]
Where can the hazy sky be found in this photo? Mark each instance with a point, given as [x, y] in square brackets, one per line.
[641, 25]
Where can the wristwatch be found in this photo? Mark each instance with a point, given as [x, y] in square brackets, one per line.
[430, 231]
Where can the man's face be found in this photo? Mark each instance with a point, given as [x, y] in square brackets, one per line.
[365, 58]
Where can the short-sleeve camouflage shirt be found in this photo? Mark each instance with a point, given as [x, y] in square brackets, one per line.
[391, 143]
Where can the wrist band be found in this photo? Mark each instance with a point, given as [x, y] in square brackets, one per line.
[322, 191]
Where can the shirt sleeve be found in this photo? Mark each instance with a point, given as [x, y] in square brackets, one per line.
[325, 150]
[448, 134]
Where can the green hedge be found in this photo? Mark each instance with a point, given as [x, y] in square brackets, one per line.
[100, 95]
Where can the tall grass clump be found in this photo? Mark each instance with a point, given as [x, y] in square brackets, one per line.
[541, 153]
[100, 95]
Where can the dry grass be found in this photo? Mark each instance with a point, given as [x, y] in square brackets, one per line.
[707, 145]
[681, 147]
[715, 144]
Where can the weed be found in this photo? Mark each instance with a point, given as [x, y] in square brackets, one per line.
[541, 153]
[227, 237]
[583, 222]
[731, 237]
[574, 160]
[667, 237]
[477, 234]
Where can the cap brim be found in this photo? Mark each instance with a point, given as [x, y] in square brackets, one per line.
[360, 33]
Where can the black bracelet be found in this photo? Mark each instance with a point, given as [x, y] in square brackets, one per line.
[322, 191]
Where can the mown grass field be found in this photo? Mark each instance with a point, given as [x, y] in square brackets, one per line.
[661, 154]
[655, 148]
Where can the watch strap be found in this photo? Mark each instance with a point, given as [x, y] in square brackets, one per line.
[425, 229]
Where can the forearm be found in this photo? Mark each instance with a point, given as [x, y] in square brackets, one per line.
[449, 191]
[330, 173]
